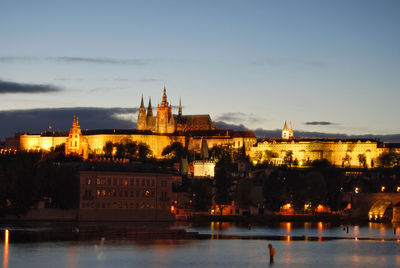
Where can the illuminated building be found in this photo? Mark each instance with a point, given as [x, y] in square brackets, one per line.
[339, 152]
[76, 143]
[157, 132]
[106, 195]
[166, 122]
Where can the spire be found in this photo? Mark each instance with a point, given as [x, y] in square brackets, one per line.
[180, 107]
[149, 109]
[141, 103]
[290, 126]
[164, 102]
[285, 126]
[77, 121]
[204, 150]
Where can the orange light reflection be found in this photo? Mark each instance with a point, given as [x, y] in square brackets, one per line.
[5, 259]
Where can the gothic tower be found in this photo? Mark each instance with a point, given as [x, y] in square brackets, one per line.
[165, 122]
[287, 132]
[141, 122]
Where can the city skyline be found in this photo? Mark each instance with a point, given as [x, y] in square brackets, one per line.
[329, 67]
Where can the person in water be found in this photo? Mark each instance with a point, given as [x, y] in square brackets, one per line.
[271, 253]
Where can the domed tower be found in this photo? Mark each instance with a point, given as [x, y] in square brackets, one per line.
[141, 122]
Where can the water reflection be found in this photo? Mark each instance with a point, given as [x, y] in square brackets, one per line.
[6, 253]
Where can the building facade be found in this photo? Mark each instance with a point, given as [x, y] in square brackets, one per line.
[106, 195]
[157, 132]
[339, 152]
[166, 122]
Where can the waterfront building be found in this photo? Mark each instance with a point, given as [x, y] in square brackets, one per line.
[109, 195]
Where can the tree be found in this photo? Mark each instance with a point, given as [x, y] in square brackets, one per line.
[389, 159]
[288, 159]
[243, 193]
[223, 180]
[175, 151]
[200, 193]
[144, 151]
[346, 160]
[108, 148]
[362, 159]
[273, 190]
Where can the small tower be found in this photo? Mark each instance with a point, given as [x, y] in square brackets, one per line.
[180, 108]
[141, 122]
[291, 136]
[287, 132]
[149, 117]
[76, 143]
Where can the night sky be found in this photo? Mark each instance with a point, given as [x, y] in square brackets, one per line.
[329, 67]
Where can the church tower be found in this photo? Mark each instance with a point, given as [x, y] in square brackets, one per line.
[149, 117]
[141, 122]
[165, 122]
[76, 143]
[287, 132]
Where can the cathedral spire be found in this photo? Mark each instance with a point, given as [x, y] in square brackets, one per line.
[164, 102]
[180, 107]
[149, 109]
[141, 103]
[285, 126]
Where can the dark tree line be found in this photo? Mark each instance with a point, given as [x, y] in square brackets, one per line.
[25, 178]
[127, 149]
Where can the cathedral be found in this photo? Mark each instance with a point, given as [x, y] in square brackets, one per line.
[164, 122]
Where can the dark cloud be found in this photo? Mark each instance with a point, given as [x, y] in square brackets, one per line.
[277, 133]
[100, 60]
[38, 120]
[12, 87]
[237, 117]
[320, 123]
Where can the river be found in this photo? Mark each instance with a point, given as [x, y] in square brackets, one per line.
[228, 245]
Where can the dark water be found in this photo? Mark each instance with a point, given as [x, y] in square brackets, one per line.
[373, 245]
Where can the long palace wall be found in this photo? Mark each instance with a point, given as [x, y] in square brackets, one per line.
[335, 151]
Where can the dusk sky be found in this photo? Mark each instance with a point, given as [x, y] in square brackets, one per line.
[326, 66]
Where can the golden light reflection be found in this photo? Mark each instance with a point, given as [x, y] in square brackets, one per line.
[6, 253]
[320, 227]
[288, 227]
[288, 238]
[319, 238]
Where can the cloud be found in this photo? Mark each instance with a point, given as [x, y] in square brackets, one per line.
[238, 117]
[100, 60]
[149, 80]
[320, 123]
[38, 120]
[92, 60]
[13, 87]
[280, 61]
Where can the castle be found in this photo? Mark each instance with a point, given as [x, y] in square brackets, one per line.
[339, 152]
[165, 128]
[157, 132]
[166, 122]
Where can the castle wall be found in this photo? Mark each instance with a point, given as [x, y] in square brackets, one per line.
[156, 143]
[37, 142]
[310, 150]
